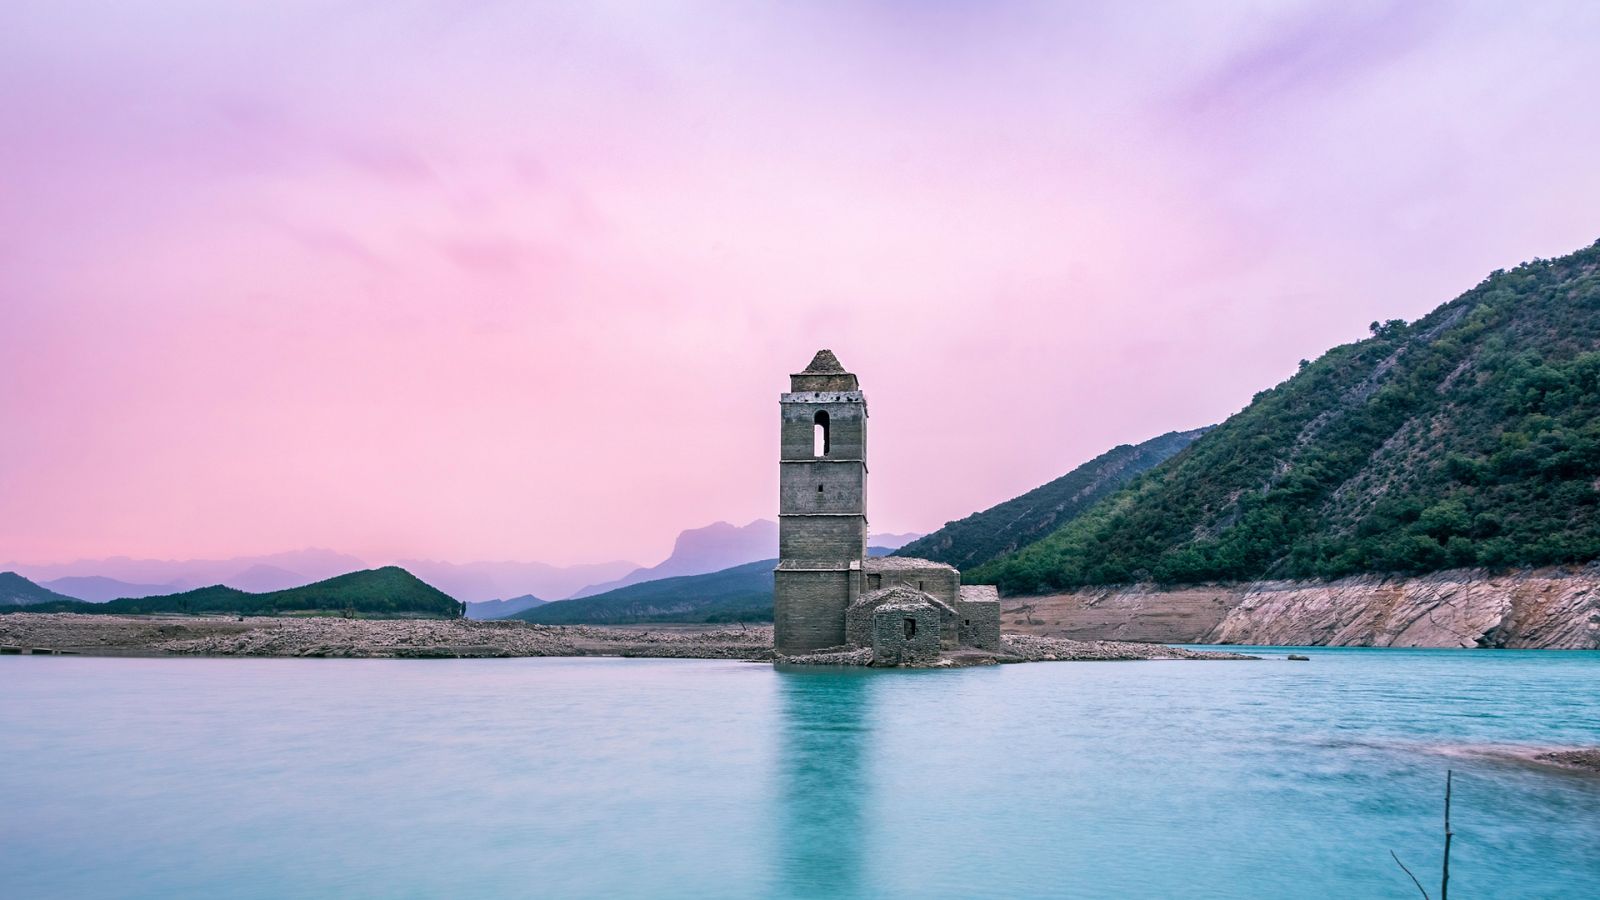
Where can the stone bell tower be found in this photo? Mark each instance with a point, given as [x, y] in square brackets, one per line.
[822, 505]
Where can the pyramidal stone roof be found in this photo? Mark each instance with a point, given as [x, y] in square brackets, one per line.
[824, 363]
[903, 563]
[899, 593]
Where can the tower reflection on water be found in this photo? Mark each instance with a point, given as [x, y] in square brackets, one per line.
[823, 781]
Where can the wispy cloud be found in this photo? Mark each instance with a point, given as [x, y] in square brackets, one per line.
[434, 280]
[1311, 53]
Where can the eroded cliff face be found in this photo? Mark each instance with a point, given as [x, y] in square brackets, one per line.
[1556, 608]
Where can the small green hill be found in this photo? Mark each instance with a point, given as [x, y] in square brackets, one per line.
[1020, 521]
[740, 594]
[1470, 437]
[17, 591]
[387, 592]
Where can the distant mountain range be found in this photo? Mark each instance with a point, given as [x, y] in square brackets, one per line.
[270, 572]
[491, 589]
[891, 542]
[99, 589]
[701, 550]
[476, 582]
[1020, 521]
[500, 609]
[741, 593]
[389, 591]
[715, 547]
[99, 580]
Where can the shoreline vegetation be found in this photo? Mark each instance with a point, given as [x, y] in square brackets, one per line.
[263, 636]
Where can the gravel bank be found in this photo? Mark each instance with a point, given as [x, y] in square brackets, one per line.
[460, 638]
[367, 638]
[1024, 648]
[1032, 648]
[1585, 760]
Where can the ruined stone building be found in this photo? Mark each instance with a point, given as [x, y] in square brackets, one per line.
[828, 592]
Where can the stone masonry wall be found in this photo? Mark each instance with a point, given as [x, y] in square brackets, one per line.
[833, 538]
[890, 644]
[940, 581]
[809, 608]
[822, 487]
[847, 426]
[979, 610]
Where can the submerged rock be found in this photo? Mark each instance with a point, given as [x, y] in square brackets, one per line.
[1588, 760]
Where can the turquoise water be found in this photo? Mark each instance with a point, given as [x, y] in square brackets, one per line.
[668, 778]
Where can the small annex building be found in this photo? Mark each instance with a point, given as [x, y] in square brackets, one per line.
[828, 593]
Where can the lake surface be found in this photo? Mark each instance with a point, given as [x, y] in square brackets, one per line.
[670, 778]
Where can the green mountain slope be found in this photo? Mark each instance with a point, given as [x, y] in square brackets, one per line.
[389, 591]
[16, 591]
[1016, 523]
[740, 594]
[1470, 437]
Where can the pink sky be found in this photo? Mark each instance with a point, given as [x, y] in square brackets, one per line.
[490, 281]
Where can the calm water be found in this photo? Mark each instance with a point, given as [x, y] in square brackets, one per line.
[539, 778]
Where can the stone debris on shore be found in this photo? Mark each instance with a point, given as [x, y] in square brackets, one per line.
[371, 638]
[1031, 648]
[418, 639]
[461, 638]
[839, 656]
[1022, 648]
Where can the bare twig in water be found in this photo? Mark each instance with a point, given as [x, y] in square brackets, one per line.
[1408, 872]
[1444, 880]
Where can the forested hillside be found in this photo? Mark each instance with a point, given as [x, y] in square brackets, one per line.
[1018, 522]
[1470, 437]
[16, 591]
[389, 591]
[739, 594]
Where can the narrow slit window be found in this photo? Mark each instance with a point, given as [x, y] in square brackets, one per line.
[819, 434]
[911, 628]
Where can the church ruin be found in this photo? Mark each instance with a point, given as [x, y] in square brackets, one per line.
[829, 594]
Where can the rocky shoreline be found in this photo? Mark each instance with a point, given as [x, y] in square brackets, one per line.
[464, 639]
[1019, 648]
[1555, 608]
